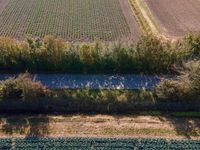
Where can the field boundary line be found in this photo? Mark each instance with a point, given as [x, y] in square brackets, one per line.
[152, 23]
[142, 11]
[145, 12]
[147, 16]
[139, 17]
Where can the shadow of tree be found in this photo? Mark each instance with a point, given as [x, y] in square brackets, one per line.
[28, 126]
[184, 126]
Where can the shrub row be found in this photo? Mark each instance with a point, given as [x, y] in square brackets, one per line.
[23, 94]
[148, 55]
[98, 143]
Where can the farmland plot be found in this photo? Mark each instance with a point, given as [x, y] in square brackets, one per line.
[177, 17]
[82, 20]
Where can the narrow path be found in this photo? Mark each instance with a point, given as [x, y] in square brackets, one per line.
[99, 126]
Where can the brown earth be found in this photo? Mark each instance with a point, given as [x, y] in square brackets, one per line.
[133, 25]
[177, 17]
[99, 126]
[3, 4]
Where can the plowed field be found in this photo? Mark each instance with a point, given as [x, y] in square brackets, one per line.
[177, 17]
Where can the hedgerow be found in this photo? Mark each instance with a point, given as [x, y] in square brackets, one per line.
[148, 55]
[98, 143]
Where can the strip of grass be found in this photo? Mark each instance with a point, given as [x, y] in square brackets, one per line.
[149, 16]
[184, 114]
[139, 17]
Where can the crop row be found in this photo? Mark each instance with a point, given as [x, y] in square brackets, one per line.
[98, 143]
[69, 19]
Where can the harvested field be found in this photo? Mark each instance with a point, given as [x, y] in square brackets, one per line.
[73, 20]
[177, 17]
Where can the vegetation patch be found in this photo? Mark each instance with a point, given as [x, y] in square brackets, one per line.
[139, 17]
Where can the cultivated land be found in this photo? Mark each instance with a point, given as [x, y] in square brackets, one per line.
[177, 17]
[84, 20]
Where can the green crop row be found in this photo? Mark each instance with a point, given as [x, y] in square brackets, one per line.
[97, 144]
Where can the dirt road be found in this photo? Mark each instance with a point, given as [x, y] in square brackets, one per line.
[99, 126]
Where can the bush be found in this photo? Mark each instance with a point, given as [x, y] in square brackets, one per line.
[191, 44]
[186, 87]
[22, 87]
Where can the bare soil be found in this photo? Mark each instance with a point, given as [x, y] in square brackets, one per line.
[177, 17]
[99, 126]
[133, 25]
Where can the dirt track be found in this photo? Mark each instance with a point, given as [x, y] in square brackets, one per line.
[99, 126]
[134, 27]
[177, 17]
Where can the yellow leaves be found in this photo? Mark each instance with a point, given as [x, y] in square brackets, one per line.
[86, 54]
[8, 44]
[53, 43]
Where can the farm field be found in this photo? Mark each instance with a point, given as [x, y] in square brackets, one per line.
[177, 17]
[73, 20]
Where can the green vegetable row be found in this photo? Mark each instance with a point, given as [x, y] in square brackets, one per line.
[97, 144]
